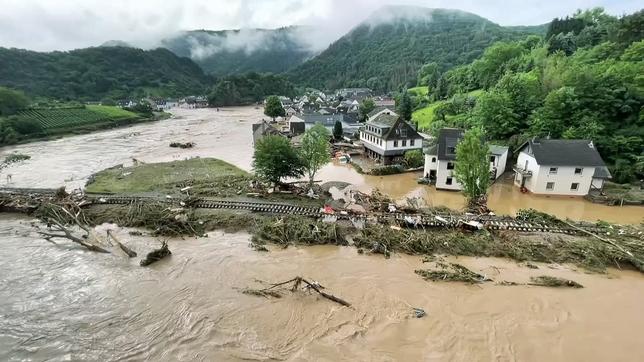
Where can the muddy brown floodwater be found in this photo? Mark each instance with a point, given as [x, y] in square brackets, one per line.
[227, 135]
[60, 302]
[64, 303]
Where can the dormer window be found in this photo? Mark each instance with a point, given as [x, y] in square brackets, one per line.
[451, 150]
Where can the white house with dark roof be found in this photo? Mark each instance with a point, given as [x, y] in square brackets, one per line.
[387, 137]
[440, 159]
[560, 167]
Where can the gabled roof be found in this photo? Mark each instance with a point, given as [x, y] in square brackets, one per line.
[383, 120]
[563, 152]
[448, 138]
[380, 109]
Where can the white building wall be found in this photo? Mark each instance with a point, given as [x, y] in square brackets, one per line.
[442, 173]
[531, 165]
[373, 142]
[429, 165]
[563, 180]
[418, 143]
[499, 163]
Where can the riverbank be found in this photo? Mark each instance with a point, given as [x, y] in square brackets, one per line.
[172, 199]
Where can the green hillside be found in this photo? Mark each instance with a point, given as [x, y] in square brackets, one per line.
[98, 73]
[230, 52]
[386, 51]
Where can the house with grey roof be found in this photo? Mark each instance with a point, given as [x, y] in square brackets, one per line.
[350, 124]
[560, 167]
[387, 137]
[440, 159]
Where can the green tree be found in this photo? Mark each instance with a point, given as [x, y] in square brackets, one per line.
[337, 130]
[11, 101]
[405, 107]
[314, 151]
[273, 107]
[472, 169]
[414, 158]
[494, 113]
[275, 158]
[428, 75]
[366, 106]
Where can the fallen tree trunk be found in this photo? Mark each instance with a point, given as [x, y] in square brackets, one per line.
[130, 253]
[156, 255]
[297, 282]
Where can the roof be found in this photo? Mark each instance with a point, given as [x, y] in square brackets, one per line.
[327, 120]
[383, 120]
[448, 138]
[498, 150]
[379, 109]
[602, 172]
[430, 150]
[564, 152]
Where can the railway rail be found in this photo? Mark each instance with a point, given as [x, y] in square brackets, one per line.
[489, 222]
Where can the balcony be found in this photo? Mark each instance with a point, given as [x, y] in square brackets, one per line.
[521, 171]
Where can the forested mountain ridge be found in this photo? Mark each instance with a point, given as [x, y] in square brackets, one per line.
[386, 51]
[101, 72]
[230, 52]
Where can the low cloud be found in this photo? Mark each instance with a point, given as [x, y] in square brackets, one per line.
[68, 24]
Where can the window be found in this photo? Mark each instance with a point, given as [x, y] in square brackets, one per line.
[550, 186]
[411, 142]
[492, 158]
[578, 171]
[395, 143]
[450, 165]
[433, 159]
[553, 171]
[403, 132]
[574, 186]
[404, 143]
[448, 181]
[451, 149]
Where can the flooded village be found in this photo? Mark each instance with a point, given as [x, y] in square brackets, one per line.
[209, 310]
[235, 181]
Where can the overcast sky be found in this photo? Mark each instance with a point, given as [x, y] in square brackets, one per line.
[68, 24]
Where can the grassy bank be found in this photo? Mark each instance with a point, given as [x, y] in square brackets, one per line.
[204, 176]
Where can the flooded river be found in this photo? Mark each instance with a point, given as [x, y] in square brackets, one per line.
[227, 135]
[63, 303]
[60, 302]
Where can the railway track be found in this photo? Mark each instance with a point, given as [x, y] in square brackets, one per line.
[403, 219]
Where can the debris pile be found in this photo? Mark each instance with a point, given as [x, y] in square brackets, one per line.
[182, 145]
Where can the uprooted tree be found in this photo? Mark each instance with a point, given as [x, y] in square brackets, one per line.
[273, 290]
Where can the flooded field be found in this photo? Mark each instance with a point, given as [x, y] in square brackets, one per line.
[227, 135]
[64, 303]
